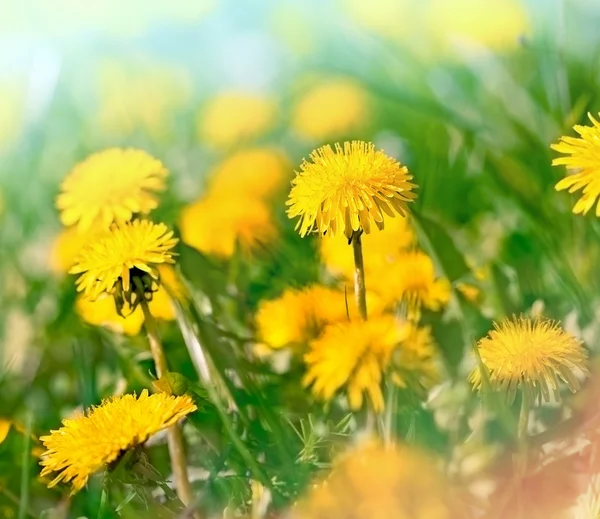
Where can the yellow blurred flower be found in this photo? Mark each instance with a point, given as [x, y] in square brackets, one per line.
[469, 291]
[584, 161]
[86, 444]
[103, 312]
[219, 223]
[379, 249]
[498, 25]
[5, 426]
[353, 355]
[140, 95]
[531, 354]
[107, 263]
[110, 186]
[347, 189]
[232, 118]
[66, 247]
[416, 363]
[299, 315]
[331, 110]
[371, 481]
[253, 172]
[412, 279]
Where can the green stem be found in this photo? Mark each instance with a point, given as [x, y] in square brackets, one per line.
[360, 292]
[25, 460]
[175, 438]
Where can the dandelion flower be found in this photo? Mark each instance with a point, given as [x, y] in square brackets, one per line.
[218, 224]
[377, 482]
[257, 172]
[102, 312]
[66, 247]
[353, 355]
[234, 117]
[415, 363]
[86, 444]
[584, 158]
[380, 249]
[411, 278]
[532, 354]
[110, 186]
[348, 188]
[329, 110]
[133, 248]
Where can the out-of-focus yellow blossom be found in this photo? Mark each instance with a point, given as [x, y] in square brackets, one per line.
[498, 25]
[389, 18]
[5, 426]
[334, 109]
[146, 96]
[412, 279]
[219, 223]
[66, 247]
[379, 248]
[584, 163]
[375, 482]
[416, 363]
[103, 312]
[469, 291]
[531, 354]
[352, 355]
[348, 188]
[253, 172]
[110, 187]
[85, 444]
[232, 118]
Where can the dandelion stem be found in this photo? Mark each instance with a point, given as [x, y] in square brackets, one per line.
[174, 436]
[360, 292]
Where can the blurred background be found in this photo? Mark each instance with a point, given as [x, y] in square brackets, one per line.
[468, 93]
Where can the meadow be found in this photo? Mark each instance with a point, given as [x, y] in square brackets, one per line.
[299, 259]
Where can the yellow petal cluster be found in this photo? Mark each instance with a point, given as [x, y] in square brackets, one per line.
[86, 444]
[376, 482]
[233, 118]
[110, 187]
[348, 188]
[354, 356]
[532, 355]
[416, 361]
[583, 158]
[330, 110]
[140, 244]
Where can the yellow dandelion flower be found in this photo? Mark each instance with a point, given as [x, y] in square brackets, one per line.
[134, 248]
[532, 354]
[381, 482]
[103, 312]
[330, 110]
[218, 224]
[379, 249]
[110, 186]
[415, 362]
[348, 188]
[5, 426]
[584, 159]
[234, 117]
[498, 25]
[255, 172]
[86, 444]
[353, 355]
[411, 278]
[66, 247]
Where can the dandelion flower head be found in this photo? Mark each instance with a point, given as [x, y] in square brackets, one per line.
[113, 256]
[352, 355]
[347, 188]
[330, 110]
[583, 157]
[86, 444]
[231, 118]
[110, 187]
[416, 362]
[532, 354]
